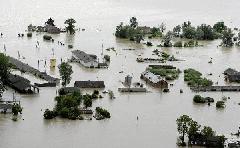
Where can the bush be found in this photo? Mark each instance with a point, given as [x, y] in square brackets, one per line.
[178, 44]
[191, 43]
[16, 108]
[102, 112]
[220, 104]
[48, 114]
[198, 99]
[47, 37]
[70, 46]
[29, 34]
[149, 44]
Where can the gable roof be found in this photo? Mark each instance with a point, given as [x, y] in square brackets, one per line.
[89, 84]
[230, 71]
[84, 56]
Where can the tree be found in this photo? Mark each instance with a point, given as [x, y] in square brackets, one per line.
[205, 32]
[177, 30]
[219, 27]
[87, 101]
[193, 128]
[162, 27]
[50, 22]
[156, 32]
[227, 38]
[65, 73]
[207, 131]
[183, 125]
[70, 28]
[167, 39]
[5, 67]
[48, 114]
[189, 32]
[133, 22]
[16, 108]
[139, 38]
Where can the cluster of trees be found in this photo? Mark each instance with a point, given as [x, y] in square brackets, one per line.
[187, 127]
[202, 32]
[67, 106]
[194, 79]
[205, 32]
[69, 22]
[135, 33]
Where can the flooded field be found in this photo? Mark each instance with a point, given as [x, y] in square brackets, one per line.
[157, 111]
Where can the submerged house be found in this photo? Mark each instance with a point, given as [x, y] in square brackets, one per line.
[89, 84]
[232, 75]
[87, 60]
[20, 84]
[154, 80]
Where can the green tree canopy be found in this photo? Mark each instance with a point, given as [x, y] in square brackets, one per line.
[183, 125]
[70, 25]
[227, 38]
[5, 67]
[65, 72]
[133, 22]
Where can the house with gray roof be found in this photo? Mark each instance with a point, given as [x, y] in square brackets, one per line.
[232, 75]
[89, 84]
[87, 60]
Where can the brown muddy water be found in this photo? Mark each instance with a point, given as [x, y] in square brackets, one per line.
[157, 111]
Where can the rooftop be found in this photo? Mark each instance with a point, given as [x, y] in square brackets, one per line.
[84, 56]
[89, 84]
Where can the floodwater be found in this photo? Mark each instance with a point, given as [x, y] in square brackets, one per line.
[157, 111]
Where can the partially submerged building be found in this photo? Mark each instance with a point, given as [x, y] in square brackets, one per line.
[232, 75]
[154, 80]
[87, 60]
[89, 84]
[20, 84]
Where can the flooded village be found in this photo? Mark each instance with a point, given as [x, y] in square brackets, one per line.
[119, 74]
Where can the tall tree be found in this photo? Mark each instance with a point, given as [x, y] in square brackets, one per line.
[65, 72]
[183, 125]
[5, 67]
[227, 38]
[50, 22]
[177, 30]
[166, 40]
[70, 25]
[133, 22]
[219, 27]
[162, 27]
